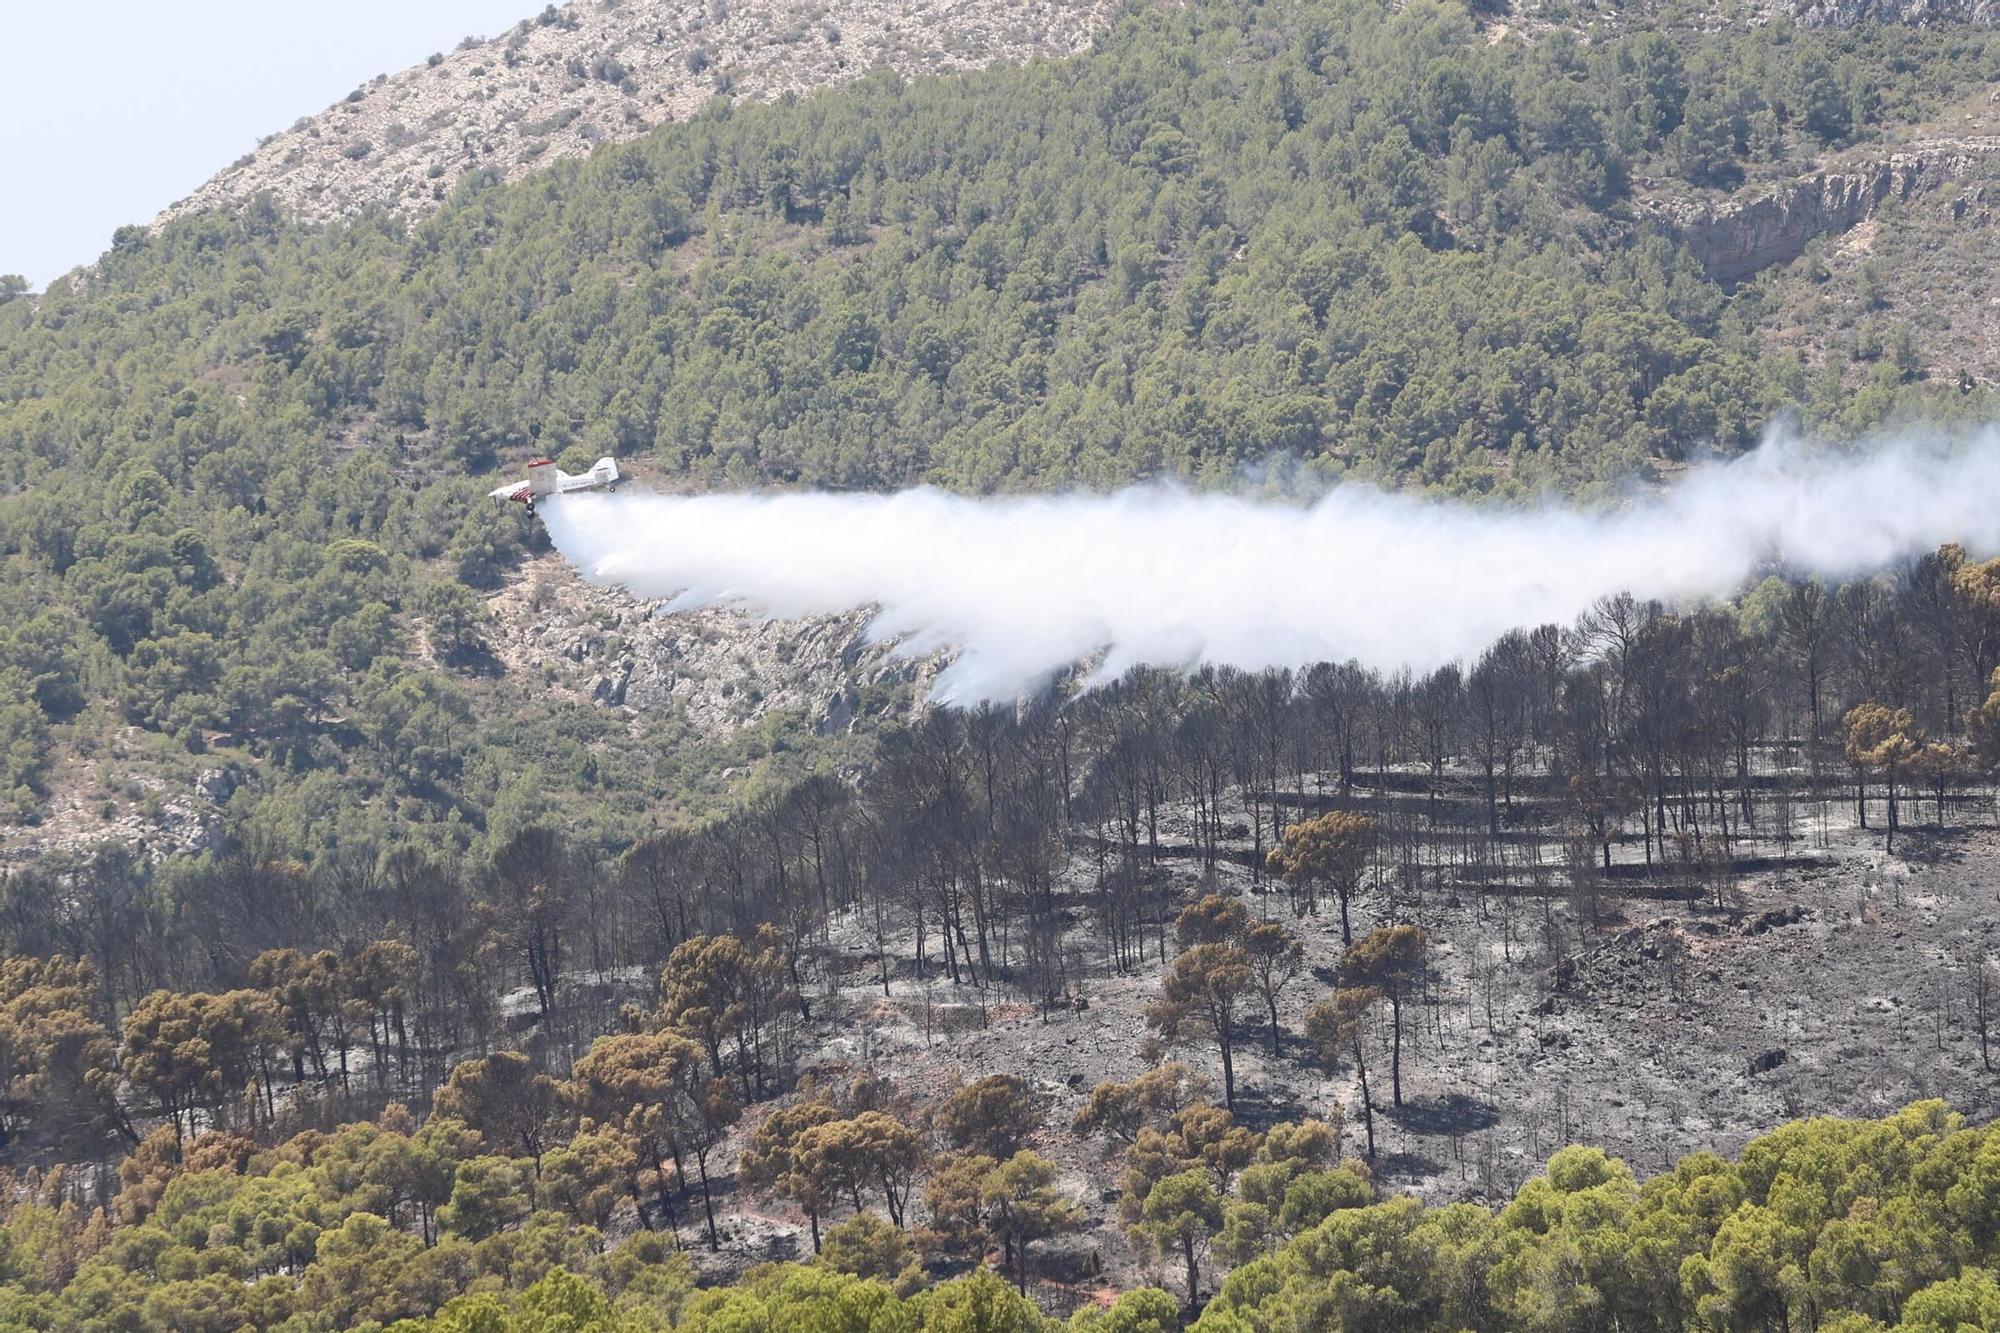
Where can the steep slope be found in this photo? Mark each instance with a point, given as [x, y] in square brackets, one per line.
[597, 71]
[1903, 286]
[243, 463]
[720, 671]
[1849, 13]
[1869, 264]
[1740, 237]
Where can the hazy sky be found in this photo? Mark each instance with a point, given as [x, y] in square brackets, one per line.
[111, 111]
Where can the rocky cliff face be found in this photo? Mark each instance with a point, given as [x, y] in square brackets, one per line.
[601, 70]
[722, 670]
[1747, 233]
[1848, 13]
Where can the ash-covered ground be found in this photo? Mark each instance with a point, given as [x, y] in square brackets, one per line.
[1633, 1013]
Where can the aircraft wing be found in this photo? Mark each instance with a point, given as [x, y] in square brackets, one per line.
[546, 479]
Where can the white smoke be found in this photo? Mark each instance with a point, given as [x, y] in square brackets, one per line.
[1023, 587]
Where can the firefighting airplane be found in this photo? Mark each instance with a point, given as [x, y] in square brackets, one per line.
[545, 479]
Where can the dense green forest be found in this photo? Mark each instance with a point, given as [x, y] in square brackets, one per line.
[242, 458]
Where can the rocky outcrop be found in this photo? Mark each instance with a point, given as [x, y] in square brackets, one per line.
[598, 70]
[1747, 233]
[154, 818]
[1849, 13]
[721, 670]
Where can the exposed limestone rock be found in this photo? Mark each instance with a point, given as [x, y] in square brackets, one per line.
[173, 820]
[1749, 232]
[1849, 13]
[724, 671]
[601, 70]
[218, 784]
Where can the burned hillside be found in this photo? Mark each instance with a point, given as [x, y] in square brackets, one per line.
[1655, 882]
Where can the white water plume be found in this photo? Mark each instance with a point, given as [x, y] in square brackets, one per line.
[1022, 587]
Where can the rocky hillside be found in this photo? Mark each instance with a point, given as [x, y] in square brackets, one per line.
[1908, 286]
[1848, 13]
[1874, 258]
[554, 641]
[598, 70]
[1174, 255]
[720, 670]
[1737, 237]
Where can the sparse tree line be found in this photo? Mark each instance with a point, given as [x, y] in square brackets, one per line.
[1640, 741]
[644, 1109]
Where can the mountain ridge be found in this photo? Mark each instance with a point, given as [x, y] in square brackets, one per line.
[587, 73]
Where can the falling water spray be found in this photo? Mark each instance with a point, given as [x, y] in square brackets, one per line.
[1022, 587]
